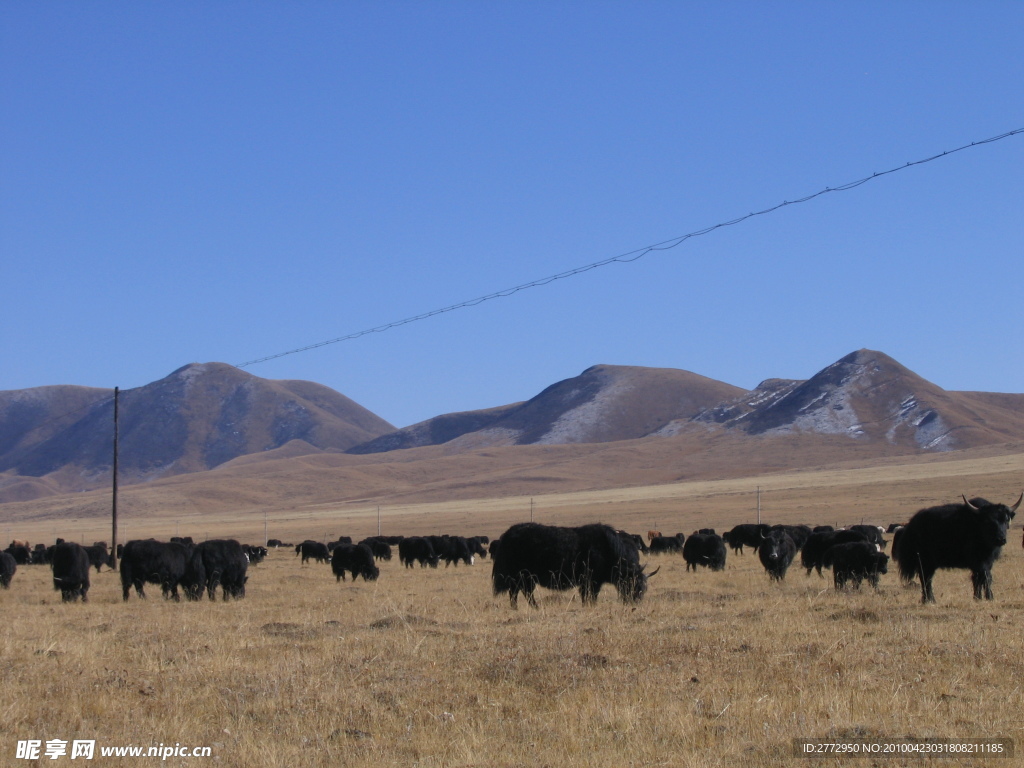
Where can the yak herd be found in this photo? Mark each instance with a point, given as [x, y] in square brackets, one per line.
[968, 535]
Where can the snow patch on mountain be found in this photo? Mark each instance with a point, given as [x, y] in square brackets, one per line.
[577, 424]
[830, 413]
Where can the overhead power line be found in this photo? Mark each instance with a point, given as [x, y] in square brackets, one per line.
[630, 256]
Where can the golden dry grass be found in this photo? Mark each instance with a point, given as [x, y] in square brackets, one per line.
[426, 668]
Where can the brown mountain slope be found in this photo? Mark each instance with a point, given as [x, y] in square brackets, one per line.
[868, 396]
[29, 417]
[605, 403]
[274, 443]
[197, 418]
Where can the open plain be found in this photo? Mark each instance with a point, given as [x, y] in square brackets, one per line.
[425, 667]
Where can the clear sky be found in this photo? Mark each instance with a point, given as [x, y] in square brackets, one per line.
[194, 181]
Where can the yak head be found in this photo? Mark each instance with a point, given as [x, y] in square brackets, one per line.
[772, 546]
[995, 518]
[631, 581]
[880, 563]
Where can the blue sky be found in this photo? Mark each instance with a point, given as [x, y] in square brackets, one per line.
[193, 182]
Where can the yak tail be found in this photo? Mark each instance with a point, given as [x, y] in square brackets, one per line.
[500, 582]
[909, 565]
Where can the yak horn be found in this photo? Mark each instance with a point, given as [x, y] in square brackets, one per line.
[972, 507]
[655, 571]
[1019, 500]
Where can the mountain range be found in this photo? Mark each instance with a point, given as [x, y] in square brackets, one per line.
[59, 439]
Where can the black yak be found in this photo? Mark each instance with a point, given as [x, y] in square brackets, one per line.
[855, 561]
[873, 534]
[776, 552]
[218, 562]
[586, 557]
[99, 556]
[813, 554]
[662, 544]
[380, 548]
[7, 569]
[71, 571]
[451, 549]
[22, 555]
[155, 562]
[707, 549]
[969, 535]
[357, 559]
[798, 533]
[745, 534]
[314, 550]
[417, 549]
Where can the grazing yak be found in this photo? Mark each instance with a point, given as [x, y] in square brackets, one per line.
[7, 569]
[776, 552]
[451, 549]
[157, 562]
[417, 549]
[798, 533]
[969, 535]
[813, 554]
[745, 535]
[314, 550]
[380, 548]
[707, 549]
[661, 544]
[357, 559]
[559, 558]
[99, 556]
[71, 571]
[476, 546]
[855, 561]
[21, 553]
[218, 562]
[873, 534]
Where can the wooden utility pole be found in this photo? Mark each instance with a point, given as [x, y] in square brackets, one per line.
[113, 511]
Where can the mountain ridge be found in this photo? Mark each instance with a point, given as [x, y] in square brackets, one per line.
[196, 418]
[205, 416]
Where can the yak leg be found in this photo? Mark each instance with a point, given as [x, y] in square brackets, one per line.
[529, 584]
[589, 590]
[529, 596]
[927, 593]
[982, 580]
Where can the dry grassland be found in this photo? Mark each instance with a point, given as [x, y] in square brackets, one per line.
[877, 491]
[426, 668]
